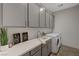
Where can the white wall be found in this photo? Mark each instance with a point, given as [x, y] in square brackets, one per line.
[32, 32]
[67, 22]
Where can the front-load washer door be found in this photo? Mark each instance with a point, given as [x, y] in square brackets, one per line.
[57, 43]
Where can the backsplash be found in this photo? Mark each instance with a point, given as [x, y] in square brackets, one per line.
[32, 32]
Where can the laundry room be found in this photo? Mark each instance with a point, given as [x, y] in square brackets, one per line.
[39, 29]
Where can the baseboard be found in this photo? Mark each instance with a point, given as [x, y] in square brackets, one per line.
[70, 46]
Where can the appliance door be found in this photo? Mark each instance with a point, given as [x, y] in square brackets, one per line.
[54, 45]
[58, 41]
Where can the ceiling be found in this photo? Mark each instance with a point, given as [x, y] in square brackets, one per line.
[58, 6]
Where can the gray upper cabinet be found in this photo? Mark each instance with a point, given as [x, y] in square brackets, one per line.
[42, 17]
[0, 14]
[34, 11]
[47, 20]
[14, 14]
[51, 21]
[25, 15]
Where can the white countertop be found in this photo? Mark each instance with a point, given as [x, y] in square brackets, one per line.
[55, 34]
[24, 47]
[44, 39]
[21, 48]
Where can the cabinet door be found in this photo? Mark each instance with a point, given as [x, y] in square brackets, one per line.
[26, 54]
[14, 14]
[33, 15]
[0, 14]
[38, 53]
[51, 21]
[34, 51]
[42, 17]
[47, 20]
[49, 46]
[44, 51]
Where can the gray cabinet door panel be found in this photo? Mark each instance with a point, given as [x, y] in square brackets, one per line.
[35, 50]
[42, 18]
[38, 53]
[14, 14]
[26, 54]
[47, 20]
[44, 50]
[51, 21]
[48, 46]
[33, 15]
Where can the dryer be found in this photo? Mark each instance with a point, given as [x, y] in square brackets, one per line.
[56, 41]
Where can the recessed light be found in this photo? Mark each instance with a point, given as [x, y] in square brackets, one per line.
[41, 9]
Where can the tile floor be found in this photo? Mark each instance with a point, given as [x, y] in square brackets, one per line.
[68, 51]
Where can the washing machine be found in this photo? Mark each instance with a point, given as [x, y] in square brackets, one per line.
[55, 41]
